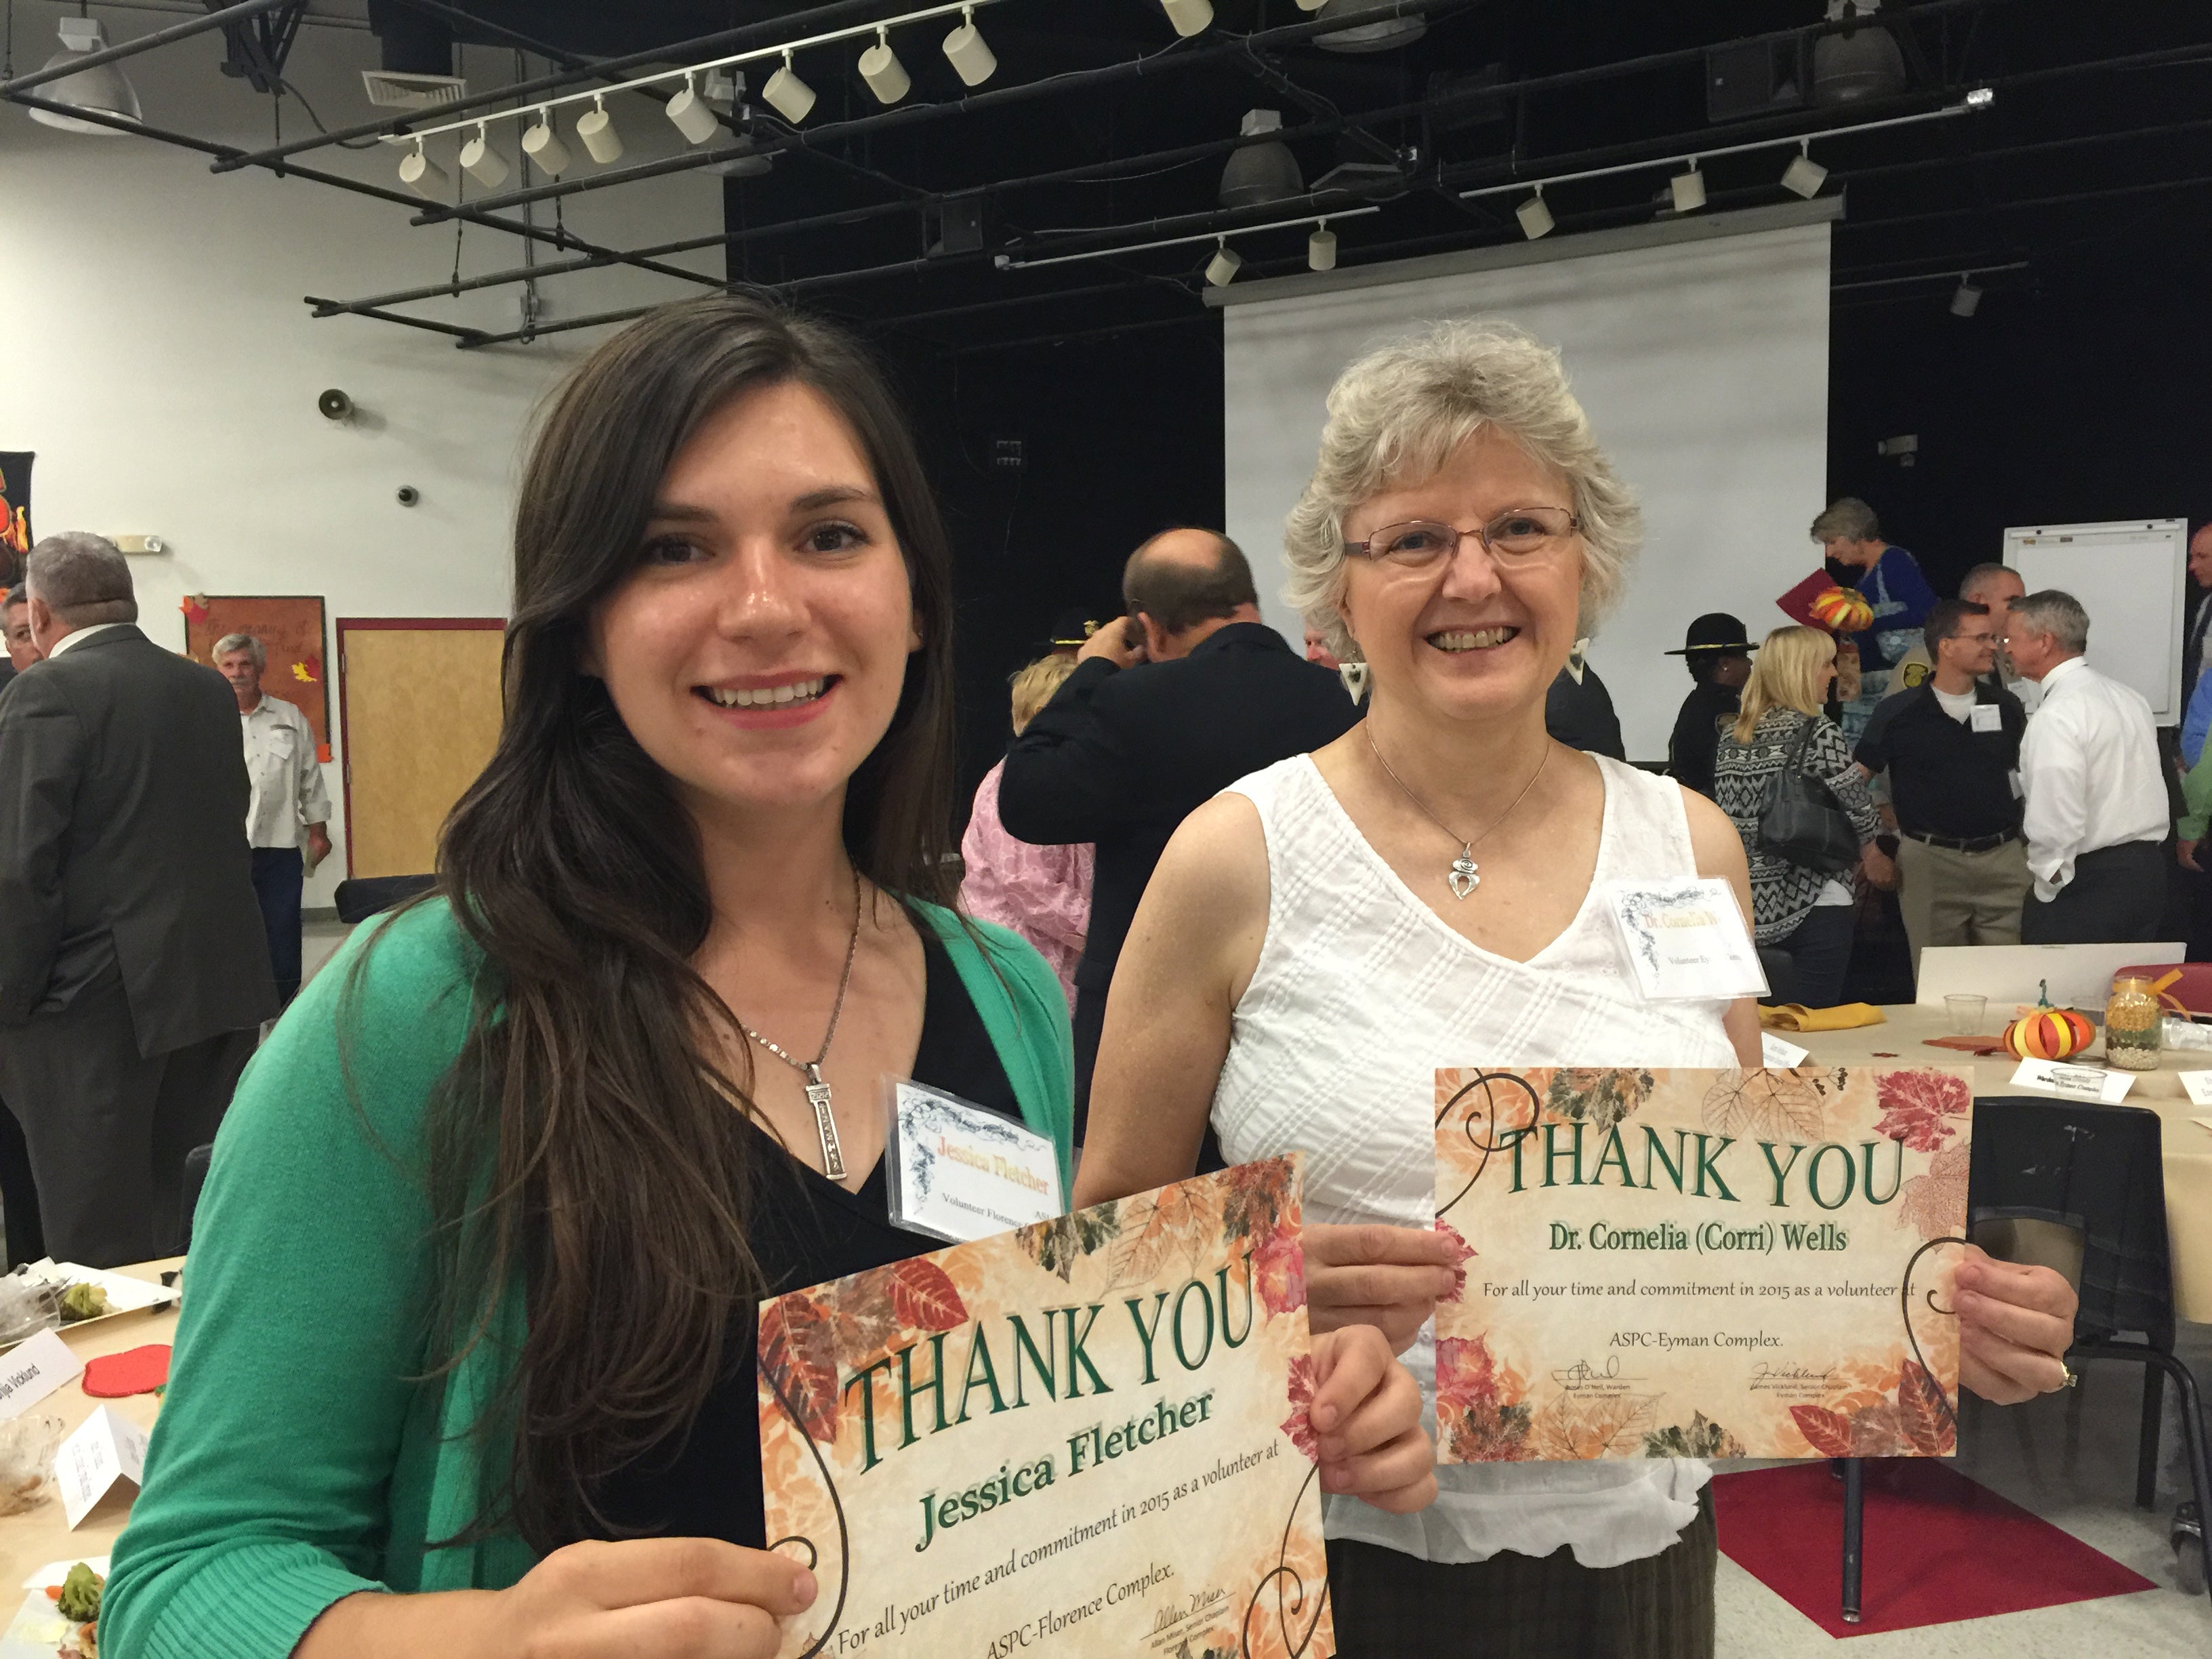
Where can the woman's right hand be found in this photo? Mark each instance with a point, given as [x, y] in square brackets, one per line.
[668, 1598]
[1391, 1278]
[677, 1598]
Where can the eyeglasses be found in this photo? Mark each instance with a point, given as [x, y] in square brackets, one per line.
[1516, 537]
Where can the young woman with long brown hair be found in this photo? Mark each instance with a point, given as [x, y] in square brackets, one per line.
[471, 1306]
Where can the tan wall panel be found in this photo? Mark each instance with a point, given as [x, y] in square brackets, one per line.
[422, 712]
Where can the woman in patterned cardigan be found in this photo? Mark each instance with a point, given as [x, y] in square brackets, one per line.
[1803, 912]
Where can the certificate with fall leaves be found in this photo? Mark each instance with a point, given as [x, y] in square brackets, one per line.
[1087, 1436]
[1700, 1263]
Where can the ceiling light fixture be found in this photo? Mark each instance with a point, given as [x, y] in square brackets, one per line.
[1221, 270]
[1257, 175]
[1535, 218]
[880, 68]
[789, 96]
[1968, 299]
[1188, 17]
[1009, 261]
[104, 90]
[1321, 248]
[1387, 35]
[485, 165]
[422, 175]
[542, 145]
[692, 115]
[1688, 189]
[1804, 175]
[971, 57]
[597, 130]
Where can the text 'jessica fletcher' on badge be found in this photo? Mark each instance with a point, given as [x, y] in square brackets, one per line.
[958, 1172]
[1686, 939]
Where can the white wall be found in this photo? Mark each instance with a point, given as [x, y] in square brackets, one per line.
[1704, 367]
[159, 359]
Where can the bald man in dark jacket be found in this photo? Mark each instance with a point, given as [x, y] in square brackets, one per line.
[134, 969]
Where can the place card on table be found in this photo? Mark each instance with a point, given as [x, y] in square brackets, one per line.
[1779, 1055]
[2056, 1077]
[33, 1369]
[1700, 1263]
[2197, 1085]
[104, 1450]
[1084, 1436]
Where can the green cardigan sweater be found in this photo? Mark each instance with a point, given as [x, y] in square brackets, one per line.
[293, 1462]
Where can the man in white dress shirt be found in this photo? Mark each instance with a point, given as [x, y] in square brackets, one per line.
[287, 794]
[2096, 807]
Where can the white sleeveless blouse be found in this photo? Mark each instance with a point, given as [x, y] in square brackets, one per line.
[1360, 995]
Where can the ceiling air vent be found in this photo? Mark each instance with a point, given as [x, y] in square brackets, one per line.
[391, 89]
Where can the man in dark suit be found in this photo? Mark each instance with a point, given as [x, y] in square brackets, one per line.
[1166, 708]
[133, 969]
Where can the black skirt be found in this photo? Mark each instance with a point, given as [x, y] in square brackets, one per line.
[1390, 1605]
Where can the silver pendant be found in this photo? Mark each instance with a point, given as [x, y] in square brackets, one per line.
[1463, 878]
[825, 1124]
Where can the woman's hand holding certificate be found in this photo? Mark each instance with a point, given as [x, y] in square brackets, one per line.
[1389, 1278]
[2015, 1323]
[1366, 1418]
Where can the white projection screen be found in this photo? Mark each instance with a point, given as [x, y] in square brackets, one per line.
[1700, 351]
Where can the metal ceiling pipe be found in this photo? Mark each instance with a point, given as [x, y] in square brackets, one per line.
[116, 54]
[704, 46]
[999, 97]
[561, 239]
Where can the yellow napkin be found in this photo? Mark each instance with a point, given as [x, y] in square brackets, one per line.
[1797, 1016]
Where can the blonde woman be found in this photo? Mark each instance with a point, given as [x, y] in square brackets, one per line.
[1042, 893]
[1804, 913]
[1310, 950]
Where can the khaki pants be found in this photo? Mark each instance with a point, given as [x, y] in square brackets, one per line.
[1959, 899]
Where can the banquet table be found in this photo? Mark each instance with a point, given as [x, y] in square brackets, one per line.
[2186, 1139]
[40, 1533]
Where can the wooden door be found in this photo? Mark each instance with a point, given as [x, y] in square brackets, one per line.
[419, 703]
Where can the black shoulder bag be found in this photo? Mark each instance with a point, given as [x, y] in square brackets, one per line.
[1800, 822]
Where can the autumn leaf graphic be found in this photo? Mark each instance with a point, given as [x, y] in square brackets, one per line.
[1254, 1197]
[1171, 1225]
[797, 1355]
[1278, 1272]
[1925, 1414]
[1915, 1104]
[1936, 1202]
[1300, 1425]
[1765, 1104]
[1599, 1097]
[1699, 1437]
[1058, 1245]
[1577, 1426]
[1825, 1431]
[924, 1296]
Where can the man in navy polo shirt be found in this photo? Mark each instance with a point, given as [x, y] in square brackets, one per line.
[1951, 747]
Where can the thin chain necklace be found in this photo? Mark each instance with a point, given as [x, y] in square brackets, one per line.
[1464, 877]
[818, 1092]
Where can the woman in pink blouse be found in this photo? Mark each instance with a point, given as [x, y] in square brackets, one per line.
[1042, 893]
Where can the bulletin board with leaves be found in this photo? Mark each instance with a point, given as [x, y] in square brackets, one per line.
[291, 629]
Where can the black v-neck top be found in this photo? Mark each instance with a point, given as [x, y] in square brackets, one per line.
[806, 1229]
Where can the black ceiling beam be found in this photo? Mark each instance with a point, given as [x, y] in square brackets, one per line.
[465, 336]
[1129, 69]
[215, 20]
[722, 43]
[561, 239]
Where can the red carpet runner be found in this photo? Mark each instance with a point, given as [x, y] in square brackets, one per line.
[1938, 1547]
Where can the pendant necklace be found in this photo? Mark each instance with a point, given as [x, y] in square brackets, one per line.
[818, 1092]
[1464, 877]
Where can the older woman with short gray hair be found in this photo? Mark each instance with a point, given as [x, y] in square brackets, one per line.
[1320, 939]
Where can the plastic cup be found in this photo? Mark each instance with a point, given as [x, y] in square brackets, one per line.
[1965, 1014]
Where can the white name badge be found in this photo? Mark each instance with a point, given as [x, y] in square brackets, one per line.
[958, 1172]
[33, 1369]
[2055, 1077]
[107, 1449]
[1686, 939]
[1985, 717]
[2197, 1085]
[1779, 1056]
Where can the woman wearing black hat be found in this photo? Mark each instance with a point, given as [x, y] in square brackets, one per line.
[1718, 657]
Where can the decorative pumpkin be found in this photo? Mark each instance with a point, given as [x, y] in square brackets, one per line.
[1840, 610]
[2049, 1034]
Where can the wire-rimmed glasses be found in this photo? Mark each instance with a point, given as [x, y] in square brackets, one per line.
[1520, 535]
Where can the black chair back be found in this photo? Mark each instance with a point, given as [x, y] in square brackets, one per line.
[2096, 1168]
[357, 901]
[196, 1169]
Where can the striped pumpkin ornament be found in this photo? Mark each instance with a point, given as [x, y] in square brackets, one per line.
[2049, 1034]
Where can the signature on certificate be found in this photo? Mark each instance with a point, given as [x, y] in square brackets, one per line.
[1583, 1375]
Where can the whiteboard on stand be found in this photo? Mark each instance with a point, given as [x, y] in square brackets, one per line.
[2127, 575]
